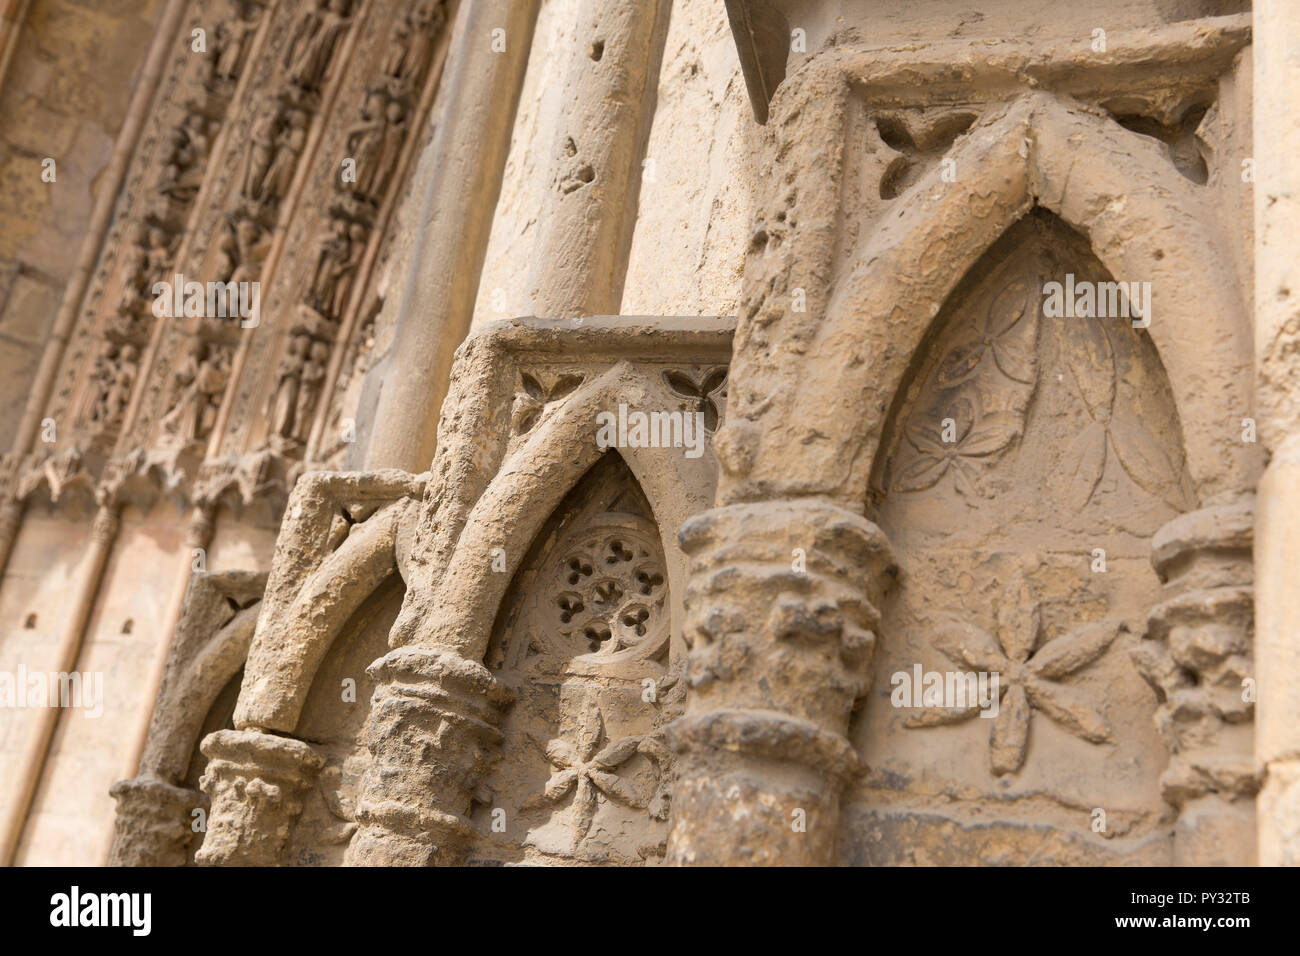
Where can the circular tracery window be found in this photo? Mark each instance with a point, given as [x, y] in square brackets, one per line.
[610, 590]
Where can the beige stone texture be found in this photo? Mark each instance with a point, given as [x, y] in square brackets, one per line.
[760, 432]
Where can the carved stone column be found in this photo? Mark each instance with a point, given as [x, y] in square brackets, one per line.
[1198, 656]
[581, 255]
[467, 162]
[256, 782]
[782, 610]
[153, 824]
[433, 733]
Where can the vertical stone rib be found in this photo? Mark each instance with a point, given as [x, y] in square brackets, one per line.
[589, 212]
[198, 536]
[1277, 335]
[469, 151]
[36, 751]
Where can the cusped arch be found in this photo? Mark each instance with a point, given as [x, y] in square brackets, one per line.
[1143, 221]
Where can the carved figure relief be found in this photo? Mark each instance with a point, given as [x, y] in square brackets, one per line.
[315, 35]
[200, 382]
[181, 178]
[233, 36]
[289, 144]
[284, 400]
[115, 374]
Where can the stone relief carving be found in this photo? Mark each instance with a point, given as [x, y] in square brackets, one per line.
[592, 612]
[972, 407]
[233, 36]
[1004, 572]
[313, 41]
[533, 398]
[1029, 672]
[591, 769]
[341, 259]
[576, 656]
[541, 711]
[613, 599]
[201, 382]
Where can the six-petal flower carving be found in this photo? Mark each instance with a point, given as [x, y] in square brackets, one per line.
[1028, 679]
[588, 770]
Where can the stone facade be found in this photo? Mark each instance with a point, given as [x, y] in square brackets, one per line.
[639, 432]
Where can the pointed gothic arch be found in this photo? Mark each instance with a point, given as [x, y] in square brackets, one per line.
[184, 706]
[290, 645]
[337, 547]
[532, 482]
[1143, 220]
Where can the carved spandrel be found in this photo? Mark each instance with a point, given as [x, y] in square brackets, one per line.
[1029, 459]
[999, 357]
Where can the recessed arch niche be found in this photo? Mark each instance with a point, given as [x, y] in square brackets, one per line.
[1025, 464]
[583, 639]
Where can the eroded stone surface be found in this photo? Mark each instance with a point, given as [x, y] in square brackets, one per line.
[393, 628]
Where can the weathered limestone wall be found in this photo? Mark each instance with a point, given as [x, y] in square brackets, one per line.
[67, 819]
[450, 666]
[239, 545]
[33, 608]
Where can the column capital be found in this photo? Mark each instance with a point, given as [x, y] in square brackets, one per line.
[433, 735]
[256, 782]
[153, 823]
[782, 609]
